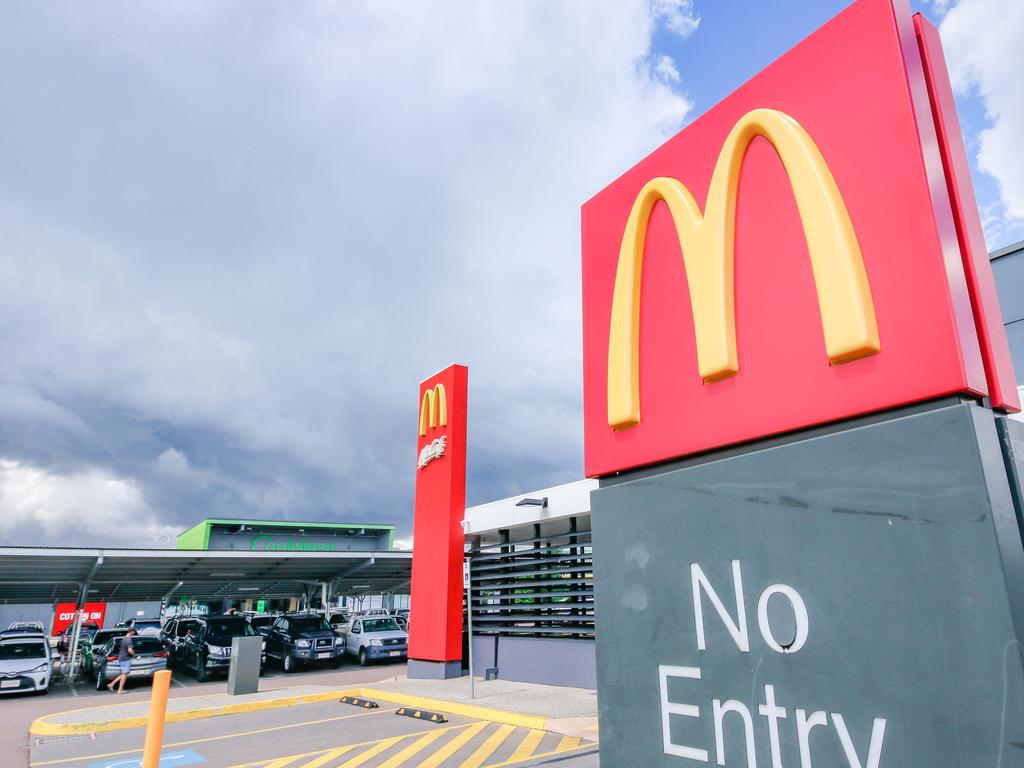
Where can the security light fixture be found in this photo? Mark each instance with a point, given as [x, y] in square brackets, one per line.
[529, 502]
[225, 575]
[249, 589]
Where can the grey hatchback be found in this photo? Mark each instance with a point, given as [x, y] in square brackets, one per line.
[150, 656]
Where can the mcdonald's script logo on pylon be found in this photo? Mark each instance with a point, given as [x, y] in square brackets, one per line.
[707, 241]
[433, 414]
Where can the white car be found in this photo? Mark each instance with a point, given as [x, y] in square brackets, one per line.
[25, 664]
[376, 637]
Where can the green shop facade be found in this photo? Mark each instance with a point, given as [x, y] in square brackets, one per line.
[286, 536]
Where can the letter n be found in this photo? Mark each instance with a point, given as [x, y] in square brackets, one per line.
[738, 628]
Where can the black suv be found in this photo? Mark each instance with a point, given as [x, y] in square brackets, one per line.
[207, 648]
[296, 638]
[174, 633]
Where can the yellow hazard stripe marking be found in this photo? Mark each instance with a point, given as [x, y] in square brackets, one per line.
[591, 745]
[417, 746]
[453, 746]
[326, 757]
[567, 742]
[371, 753]
[487, 749]
[527, 746]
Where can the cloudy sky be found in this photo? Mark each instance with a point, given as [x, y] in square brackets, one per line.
[234, 236]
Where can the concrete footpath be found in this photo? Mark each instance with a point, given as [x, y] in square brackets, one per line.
[563, 710]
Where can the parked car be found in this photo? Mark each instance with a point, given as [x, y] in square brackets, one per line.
[88, 628]
[374, 612]
[144, 627]
[376, 637]
[262, 622]
[340, 622]
[150, 656]
[25, 663]
[207, 648]
[91, 643]
[297, 638]
[173, 634]
[19, 628]
[32, 626]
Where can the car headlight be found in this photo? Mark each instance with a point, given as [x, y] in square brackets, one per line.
[41, 668]
[376, 642]
[217, 650]
[302, 643]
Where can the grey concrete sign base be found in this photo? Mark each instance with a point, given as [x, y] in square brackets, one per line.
[851, 597]
[419, 669]
[244, 672]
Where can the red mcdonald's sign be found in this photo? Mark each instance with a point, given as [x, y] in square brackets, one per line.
[435, 631]
[806, 251]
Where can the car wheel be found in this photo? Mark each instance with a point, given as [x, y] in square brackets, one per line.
[287, 663]
[363, 660]
[201, 674]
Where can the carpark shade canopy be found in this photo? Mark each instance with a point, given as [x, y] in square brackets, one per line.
[45, 574]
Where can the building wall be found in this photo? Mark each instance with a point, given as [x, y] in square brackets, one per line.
[1008, 270]
[546, 660]
[116, 613]
[230, 534]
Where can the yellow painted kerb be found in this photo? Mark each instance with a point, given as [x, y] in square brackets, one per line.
[707, 242]
[45, 727]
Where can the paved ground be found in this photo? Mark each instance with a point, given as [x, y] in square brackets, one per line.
[18, 711]
[320, 735]
[323, 735]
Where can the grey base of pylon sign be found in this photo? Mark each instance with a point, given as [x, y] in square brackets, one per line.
[850, 596]
[433, 670]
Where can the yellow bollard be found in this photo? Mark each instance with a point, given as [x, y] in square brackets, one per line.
[157, 714]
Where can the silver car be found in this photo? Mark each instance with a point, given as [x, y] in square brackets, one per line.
[376, 637]
[25, 664]
[150, 656]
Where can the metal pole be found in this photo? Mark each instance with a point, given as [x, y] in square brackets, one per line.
[468, 584]
[157, 716]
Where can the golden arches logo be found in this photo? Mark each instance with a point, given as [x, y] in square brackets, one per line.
[433, 409]
[707, 242]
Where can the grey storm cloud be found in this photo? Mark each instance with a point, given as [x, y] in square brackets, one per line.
[235, 236]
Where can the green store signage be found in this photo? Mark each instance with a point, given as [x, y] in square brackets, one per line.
[265, 543]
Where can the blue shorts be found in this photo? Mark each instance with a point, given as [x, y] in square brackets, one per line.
[126, 666]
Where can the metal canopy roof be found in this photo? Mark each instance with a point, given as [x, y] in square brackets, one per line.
[45, 574]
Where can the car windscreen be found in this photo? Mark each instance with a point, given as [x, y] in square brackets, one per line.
[24, 650]
[380, 625]
[224, 629]
[147, 624]
[147, 645]
[308, 623]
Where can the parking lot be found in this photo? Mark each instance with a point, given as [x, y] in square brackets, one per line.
[324, 735]
[320, 735]
[18, 711]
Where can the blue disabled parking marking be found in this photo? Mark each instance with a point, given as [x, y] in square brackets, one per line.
[167, 760]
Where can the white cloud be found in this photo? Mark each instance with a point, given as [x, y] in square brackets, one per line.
[679, 15]
[982, 43]
[78, 509]
[236, 237]
[666, 70]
